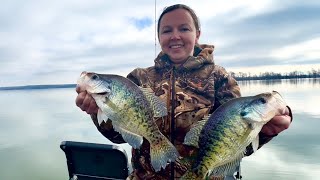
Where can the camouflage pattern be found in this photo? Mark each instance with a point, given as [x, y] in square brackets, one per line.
[200, 87]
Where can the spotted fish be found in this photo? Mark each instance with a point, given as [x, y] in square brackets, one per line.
[132, 110]
[223, 136]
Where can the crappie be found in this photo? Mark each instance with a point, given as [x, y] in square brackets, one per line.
[132, 110]
[224, 136]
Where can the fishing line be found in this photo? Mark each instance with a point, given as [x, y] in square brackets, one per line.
[155, 28]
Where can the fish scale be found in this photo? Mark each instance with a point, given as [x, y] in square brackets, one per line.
[142, 117]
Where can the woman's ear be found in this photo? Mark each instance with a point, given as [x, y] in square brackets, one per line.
[198, 33]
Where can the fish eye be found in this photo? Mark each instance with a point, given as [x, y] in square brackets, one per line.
[95, 77]
[243, 113]
[262, 100]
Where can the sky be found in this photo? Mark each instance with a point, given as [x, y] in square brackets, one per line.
[52, 42]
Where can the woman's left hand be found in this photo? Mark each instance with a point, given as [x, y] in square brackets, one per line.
[277, 124]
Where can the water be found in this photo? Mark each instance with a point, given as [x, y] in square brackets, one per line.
[295, 153]
[35, 122]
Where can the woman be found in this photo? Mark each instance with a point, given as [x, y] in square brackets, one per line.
[200, 87]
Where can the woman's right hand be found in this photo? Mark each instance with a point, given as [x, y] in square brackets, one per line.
[86, 102]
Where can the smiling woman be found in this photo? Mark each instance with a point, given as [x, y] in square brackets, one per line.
[178, 38]
[41, 43]
[186, 78]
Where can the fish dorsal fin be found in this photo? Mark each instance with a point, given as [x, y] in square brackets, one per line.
[159, 107]
[132, 139]
[192, 137]
[228, 168]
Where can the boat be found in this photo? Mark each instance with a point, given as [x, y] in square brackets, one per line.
[92, 161]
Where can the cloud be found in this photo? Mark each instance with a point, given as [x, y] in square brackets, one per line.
[59, 39]
[308, 50]
[261, 39]
[142, 23]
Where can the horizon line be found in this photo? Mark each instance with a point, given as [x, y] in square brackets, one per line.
[38, 86]
[73, 85]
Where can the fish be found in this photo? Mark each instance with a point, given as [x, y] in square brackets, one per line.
[224, 135]
[132, 110]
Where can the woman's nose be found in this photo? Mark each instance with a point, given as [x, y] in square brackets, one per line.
[175, 35]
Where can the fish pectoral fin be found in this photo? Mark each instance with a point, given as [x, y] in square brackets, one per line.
[159, 107]
[101, 116]
[132, 139]
[228, 168]
[192, 137]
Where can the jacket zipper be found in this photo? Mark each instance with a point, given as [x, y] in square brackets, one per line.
[172, 119]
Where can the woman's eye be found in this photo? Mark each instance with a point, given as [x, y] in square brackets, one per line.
[165, 31]
[185, 29]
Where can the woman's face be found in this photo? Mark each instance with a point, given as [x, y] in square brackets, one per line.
[178, 35]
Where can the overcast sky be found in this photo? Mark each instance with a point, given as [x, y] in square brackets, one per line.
[52, 42]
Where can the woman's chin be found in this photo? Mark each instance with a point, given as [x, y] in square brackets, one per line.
[178, 59]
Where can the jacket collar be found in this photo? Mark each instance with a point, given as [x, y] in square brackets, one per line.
[203, 54]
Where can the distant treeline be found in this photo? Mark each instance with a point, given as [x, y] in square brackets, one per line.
[271, 75]
[238, 76]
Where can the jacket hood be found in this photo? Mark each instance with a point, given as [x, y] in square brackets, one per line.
[203, 54]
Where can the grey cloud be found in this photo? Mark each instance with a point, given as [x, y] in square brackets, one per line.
[259, 35]
[271, 30]
[57, 37]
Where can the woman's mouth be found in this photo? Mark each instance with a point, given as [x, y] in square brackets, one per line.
[176, 46]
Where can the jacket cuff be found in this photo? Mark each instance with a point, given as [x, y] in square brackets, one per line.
[106, 129]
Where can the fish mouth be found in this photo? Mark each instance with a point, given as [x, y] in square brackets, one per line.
[283, 105]
[81, 78]
[276, 94]
[96, 88]
[100, 90]
[102, 93]
[83, 73]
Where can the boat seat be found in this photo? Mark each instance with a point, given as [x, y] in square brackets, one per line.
[91, 161]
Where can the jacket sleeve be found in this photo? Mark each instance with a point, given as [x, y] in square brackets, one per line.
[226, 87]
[106, 129]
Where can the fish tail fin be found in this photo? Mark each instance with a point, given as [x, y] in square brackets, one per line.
[161, 152]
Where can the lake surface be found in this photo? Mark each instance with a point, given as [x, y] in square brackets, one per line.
[35, 122]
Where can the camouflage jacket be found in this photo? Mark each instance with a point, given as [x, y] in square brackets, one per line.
[200, 87]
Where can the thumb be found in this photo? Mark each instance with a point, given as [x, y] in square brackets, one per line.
[80, 89]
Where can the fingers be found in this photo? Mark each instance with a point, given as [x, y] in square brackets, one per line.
[93, 108]
[276, 125]
[79, 89]
[86, 103]
[283, 120]
[80, 98]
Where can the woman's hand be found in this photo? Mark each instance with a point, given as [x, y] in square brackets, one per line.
[277, 124]
[85, 101]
